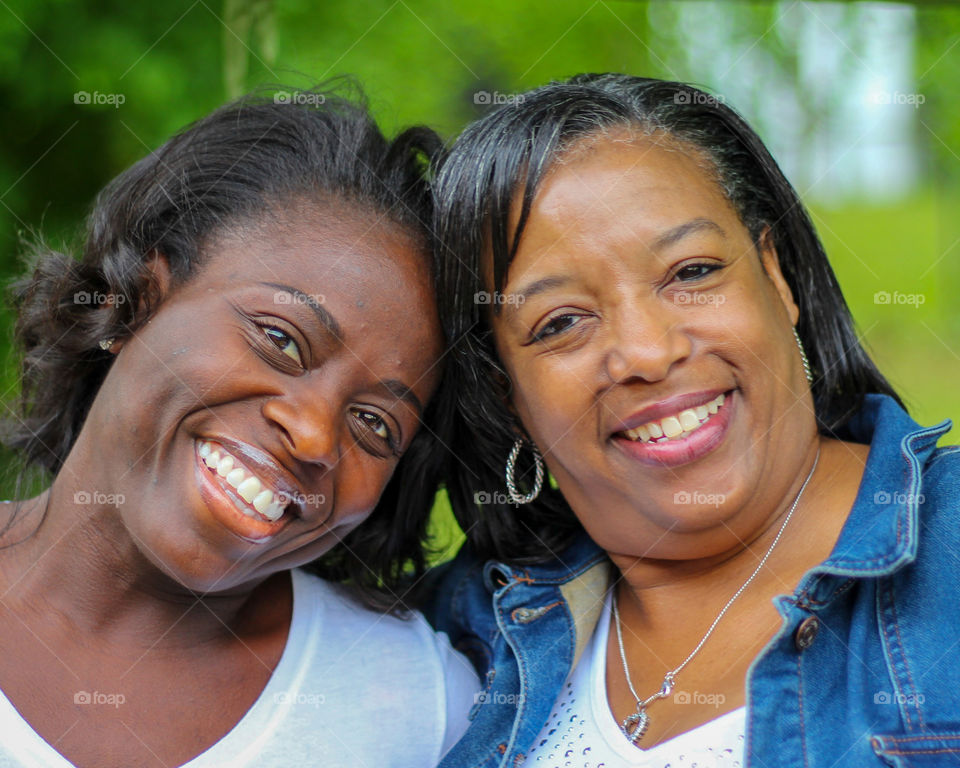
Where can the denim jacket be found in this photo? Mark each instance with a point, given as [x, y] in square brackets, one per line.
[864, 671]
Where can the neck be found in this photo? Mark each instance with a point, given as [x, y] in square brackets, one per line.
[652, 588]
[78, 564]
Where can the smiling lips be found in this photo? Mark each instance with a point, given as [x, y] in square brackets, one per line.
[675, 427]
[248, 493]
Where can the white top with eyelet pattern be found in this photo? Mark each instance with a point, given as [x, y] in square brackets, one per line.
[581, 731]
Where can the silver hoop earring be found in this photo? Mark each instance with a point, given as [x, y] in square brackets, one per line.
[512, 493]
[803, 358]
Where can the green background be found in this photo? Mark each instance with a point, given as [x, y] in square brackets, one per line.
[424, 62]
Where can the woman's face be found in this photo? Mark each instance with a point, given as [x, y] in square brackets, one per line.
[636, 302]
[292, 366]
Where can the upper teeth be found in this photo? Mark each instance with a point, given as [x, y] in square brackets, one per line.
[249, 488]
[679, 425]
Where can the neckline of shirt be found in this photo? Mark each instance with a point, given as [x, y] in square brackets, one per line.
[304, 613]
[607, 725]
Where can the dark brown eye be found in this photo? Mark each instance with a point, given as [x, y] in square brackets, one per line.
[556, 326]
[695, 271]
[374, 423]
[284, 343]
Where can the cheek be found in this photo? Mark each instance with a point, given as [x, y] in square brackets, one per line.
[171, 361]
[552, 398]
[360, 483]
[754, 328]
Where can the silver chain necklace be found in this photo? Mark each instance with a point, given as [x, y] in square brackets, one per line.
[635, 726]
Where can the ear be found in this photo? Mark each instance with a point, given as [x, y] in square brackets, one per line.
[504, 389]
[156, 270]
[771, 265]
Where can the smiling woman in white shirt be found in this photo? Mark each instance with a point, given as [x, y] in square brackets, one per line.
[221, 396]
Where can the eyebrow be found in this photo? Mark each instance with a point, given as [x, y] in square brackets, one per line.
[327, 320]
[681, 231]
[402, 392]
[540, 286]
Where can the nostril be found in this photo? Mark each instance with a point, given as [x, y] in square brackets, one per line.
[307, 429]
[286, 438]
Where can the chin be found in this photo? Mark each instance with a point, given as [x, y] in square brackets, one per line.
[196, 565]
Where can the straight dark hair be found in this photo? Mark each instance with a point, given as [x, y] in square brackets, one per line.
[504, 157]
[255, 157]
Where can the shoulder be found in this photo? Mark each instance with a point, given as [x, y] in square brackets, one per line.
[940, 484]
[944, 462]
[939, 500]
[456, 591]
[359, 664]
[467, 595]
[341, 619]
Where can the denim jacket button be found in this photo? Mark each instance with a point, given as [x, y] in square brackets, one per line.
[806, 633]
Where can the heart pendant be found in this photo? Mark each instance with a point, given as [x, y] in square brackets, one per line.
[635, 726]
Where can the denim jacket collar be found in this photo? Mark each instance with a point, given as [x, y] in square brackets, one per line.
[880, 535]
[581, 573]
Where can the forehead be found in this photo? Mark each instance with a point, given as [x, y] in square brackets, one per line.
[317, 239]
[627, 186]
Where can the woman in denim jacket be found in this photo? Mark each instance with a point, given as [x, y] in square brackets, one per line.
[748, 552]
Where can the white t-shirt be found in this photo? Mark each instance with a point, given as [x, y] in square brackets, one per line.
[581, 731]
[353, 688]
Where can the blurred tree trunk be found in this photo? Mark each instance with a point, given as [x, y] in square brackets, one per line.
[247, 25]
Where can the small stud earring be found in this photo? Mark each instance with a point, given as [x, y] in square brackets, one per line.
[105, 344]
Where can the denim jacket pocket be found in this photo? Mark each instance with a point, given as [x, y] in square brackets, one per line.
[918, 750]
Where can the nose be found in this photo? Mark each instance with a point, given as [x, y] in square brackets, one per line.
[645, 343]
[308, 428]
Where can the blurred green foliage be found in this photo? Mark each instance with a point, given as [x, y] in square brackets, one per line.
[426, 62]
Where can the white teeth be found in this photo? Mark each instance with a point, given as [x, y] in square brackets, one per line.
[265, 504]
[679, 425]
[671, 426]
[225, 465]
[262, 502]
[689, 420]
[274, 512]
[249, 489]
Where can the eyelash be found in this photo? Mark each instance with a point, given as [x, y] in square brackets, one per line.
[387, 439]
[546, 331]
[708, 266]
